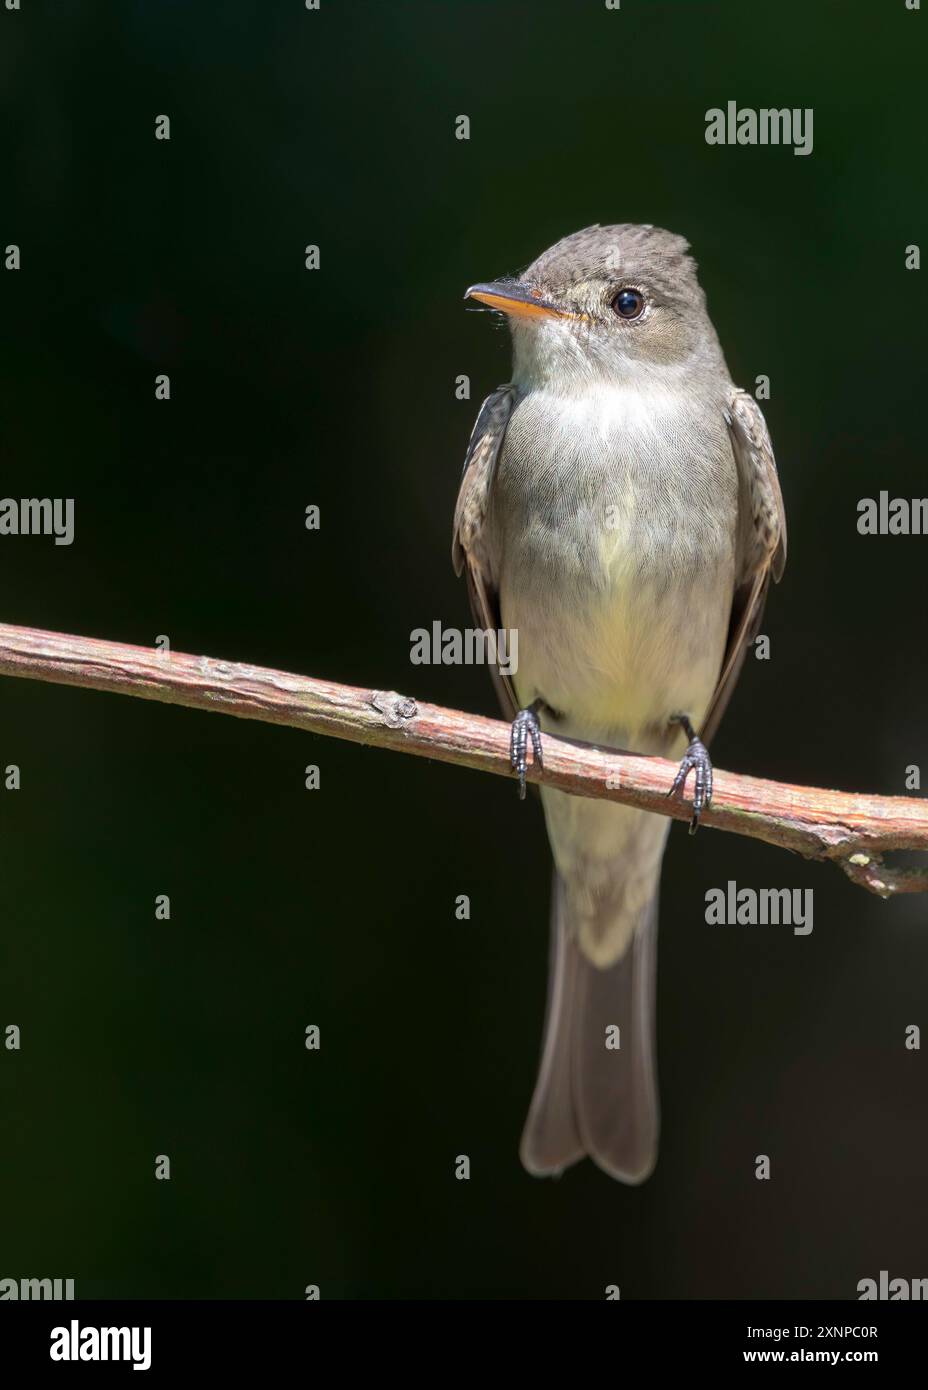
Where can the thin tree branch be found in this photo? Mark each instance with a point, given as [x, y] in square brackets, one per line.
[852, 831]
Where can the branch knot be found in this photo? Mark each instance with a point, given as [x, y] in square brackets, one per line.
[396, 709]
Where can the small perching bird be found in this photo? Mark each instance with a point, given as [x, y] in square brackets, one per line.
[620, 509]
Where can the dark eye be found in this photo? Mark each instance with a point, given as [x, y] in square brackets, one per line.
[628, 304]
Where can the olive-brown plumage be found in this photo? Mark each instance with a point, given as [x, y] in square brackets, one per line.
[620, 508]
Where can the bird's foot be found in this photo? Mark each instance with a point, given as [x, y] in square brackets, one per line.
[525, 726]
[695, 759]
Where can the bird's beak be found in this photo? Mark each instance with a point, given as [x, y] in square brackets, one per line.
[518, 300]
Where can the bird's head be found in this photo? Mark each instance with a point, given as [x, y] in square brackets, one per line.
[606, 302]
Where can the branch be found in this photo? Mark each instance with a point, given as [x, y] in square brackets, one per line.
[852, 831]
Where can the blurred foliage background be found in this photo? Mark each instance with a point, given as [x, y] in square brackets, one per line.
[336, 907]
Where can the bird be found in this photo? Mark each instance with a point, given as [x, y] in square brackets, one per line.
[619, 510]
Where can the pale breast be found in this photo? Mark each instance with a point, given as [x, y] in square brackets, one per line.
[611, 533]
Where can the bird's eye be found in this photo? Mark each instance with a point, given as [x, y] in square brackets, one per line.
[629, 304]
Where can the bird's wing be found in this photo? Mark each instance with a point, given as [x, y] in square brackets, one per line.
[762, 542]
[467, 551]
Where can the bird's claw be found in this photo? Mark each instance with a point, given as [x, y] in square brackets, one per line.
[696, 758]
[525, 726]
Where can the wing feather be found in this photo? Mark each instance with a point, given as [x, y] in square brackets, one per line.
[762, 549]
[467, 551]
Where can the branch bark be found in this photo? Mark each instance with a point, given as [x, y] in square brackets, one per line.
[853, 831]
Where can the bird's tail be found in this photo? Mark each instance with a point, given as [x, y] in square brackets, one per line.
[596, 1091]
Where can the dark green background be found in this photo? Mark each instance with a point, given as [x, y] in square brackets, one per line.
[335, 907]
